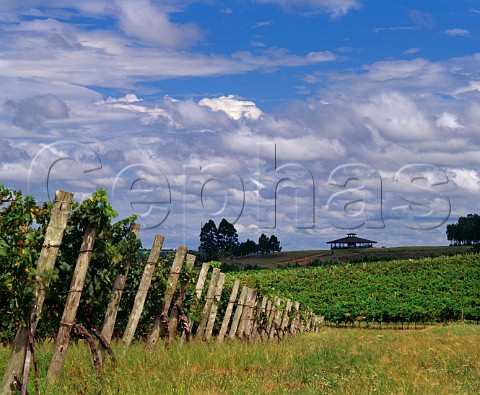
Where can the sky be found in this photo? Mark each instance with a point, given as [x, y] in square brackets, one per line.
[307, 119]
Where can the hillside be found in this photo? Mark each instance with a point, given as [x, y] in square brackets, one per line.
[397, 291]
[315, 257]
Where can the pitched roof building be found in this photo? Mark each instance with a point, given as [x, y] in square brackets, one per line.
[351, 241]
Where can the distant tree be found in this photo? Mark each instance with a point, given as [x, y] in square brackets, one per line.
[208, 241]
[263, 244]
[274, 244]
[466, 231]
[227, 238]
[245, 248]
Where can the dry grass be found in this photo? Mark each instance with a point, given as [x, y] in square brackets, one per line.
[437, 360]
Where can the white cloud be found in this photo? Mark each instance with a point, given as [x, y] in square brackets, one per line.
[396, 116]
[141, 19]
[335, 8]
[411, 51]
[457, 32]
[277, 57]
[449, 121]
[473, 86]
[234, 108]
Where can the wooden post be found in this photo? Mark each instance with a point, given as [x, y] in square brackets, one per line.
[142, 292]
[71, 305]
[158, 323]
[268, 311]
[296, 319]
[259, 313]
[208, 303]
[115, 297]
[228, 312]
[277, 314]
[309, 322]
[246, 321]
[214, 308]
[46, 262]
[286, 315]
[201, 279]
[271, 314]
[238, 313]
[173, 323]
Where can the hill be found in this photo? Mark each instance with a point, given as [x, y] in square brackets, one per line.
[422, 290]
[318, 257]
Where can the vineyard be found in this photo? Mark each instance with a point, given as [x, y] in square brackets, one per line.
[72, 266]
[72, 258]
[413, 291]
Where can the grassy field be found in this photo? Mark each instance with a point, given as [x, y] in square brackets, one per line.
[303, 258]
[436, 360]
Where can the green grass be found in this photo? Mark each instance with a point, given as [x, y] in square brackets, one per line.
[441, 359]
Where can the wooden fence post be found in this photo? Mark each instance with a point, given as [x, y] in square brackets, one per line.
[142, 292]
[173, 323]
[228, 312]
[46, 262]
[201, 279]
[238, 313]
[245, 327]
[214, 308]
[71, 305]
[286, 315]
[258, 326]
[271, 315]
[159, 323]
[277, 314]
[115, 297]
[296, 319]
[208, 303]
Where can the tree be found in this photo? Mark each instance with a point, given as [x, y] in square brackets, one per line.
[209, 241]
[274, 244]
[250, 247]
[263, 244]
[466, 231]
[227, 238]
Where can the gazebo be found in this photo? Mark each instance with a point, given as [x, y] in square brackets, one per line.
[351, 241]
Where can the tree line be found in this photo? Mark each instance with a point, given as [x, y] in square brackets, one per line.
[466, 231]
[222, 241]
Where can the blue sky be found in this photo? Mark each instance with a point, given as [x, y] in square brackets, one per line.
[301, 118]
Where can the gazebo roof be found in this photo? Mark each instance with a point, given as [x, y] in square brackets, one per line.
[351, 239]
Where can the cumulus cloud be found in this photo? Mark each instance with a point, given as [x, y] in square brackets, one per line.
[234, 108]
[396, 116]
[31, 113]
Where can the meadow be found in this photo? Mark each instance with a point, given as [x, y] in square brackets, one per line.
[435, 360]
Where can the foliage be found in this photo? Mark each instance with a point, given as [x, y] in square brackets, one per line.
[466, 231]
[22, 226]
[227, 237]
[263, 244]
[218, 242]
[400, 291]
[208, 241]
